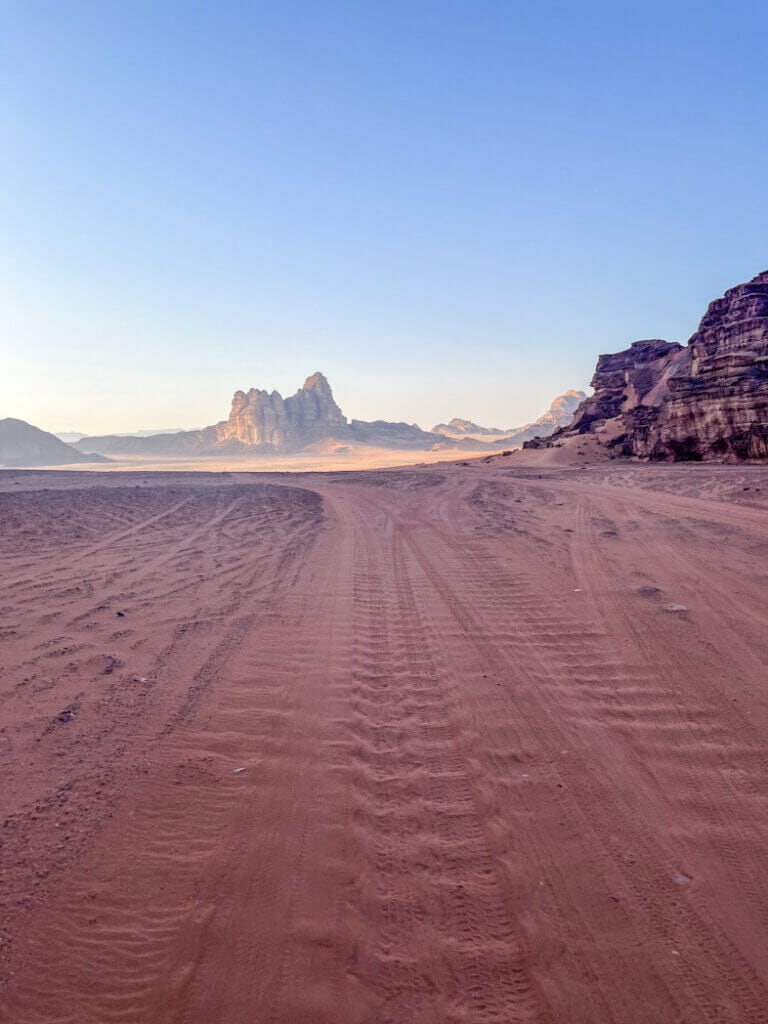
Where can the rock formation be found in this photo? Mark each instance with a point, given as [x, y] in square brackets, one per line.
[268, 421]
[719, 408]
[263, 422]
[628, 380]
[707, 400]
[258, 420]
[21, 444]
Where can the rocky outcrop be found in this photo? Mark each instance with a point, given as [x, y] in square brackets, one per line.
[258, 421]
[707, 400]
[719, 409]
[628, 380]
[21, 444]
[270, 422]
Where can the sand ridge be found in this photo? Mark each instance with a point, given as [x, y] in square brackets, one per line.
[478, 742]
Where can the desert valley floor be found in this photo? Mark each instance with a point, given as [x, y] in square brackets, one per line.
[477, 743]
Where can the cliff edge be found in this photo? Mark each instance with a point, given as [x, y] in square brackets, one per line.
[707, 400]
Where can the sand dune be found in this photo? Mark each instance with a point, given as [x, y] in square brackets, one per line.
[458, 743]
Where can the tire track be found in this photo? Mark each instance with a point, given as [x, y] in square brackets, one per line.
[446, 947]
[589, 782]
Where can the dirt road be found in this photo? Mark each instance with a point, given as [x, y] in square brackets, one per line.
[451, 744]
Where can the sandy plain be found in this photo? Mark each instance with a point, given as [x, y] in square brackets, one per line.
[329, 457]
[458, 743]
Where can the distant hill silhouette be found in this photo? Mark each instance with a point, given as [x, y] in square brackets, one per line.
[72, 436]
[559, 414]
[21, 444]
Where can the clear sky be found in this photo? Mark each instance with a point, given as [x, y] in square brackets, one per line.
[450, 208]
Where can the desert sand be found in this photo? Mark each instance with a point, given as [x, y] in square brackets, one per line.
[461, 743]
[321, 458]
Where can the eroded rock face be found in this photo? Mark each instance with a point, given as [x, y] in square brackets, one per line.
[628, 380]
[707, 400]
[267, 420]
[719, 409]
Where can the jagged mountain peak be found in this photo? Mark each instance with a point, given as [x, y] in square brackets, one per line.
[317, 382]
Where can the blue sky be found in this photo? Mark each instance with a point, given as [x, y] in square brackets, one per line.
[451, 208]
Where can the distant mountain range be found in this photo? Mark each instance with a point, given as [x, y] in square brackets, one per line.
[559, 414]
[461, 428]
[72, 436]
[263, 422]
[21, 444]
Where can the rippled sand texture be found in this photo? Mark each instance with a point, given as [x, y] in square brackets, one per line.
[465, 743]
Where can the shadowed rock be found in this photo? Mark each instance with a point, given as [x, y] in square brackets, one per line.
[707, 400]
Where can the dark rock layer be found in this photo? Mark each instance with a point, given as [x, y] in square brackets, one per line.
[705, 401]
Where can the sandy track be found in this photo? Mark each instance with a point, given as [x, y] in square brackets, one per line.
[453, 744]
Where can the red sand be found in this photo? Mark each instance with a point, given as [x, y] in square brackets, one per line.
[475, 743]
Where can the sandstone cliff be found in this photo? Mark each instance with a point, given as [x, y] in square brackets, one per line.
[720, 408]
[258, 420]
[268, 421]
[707, 400]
